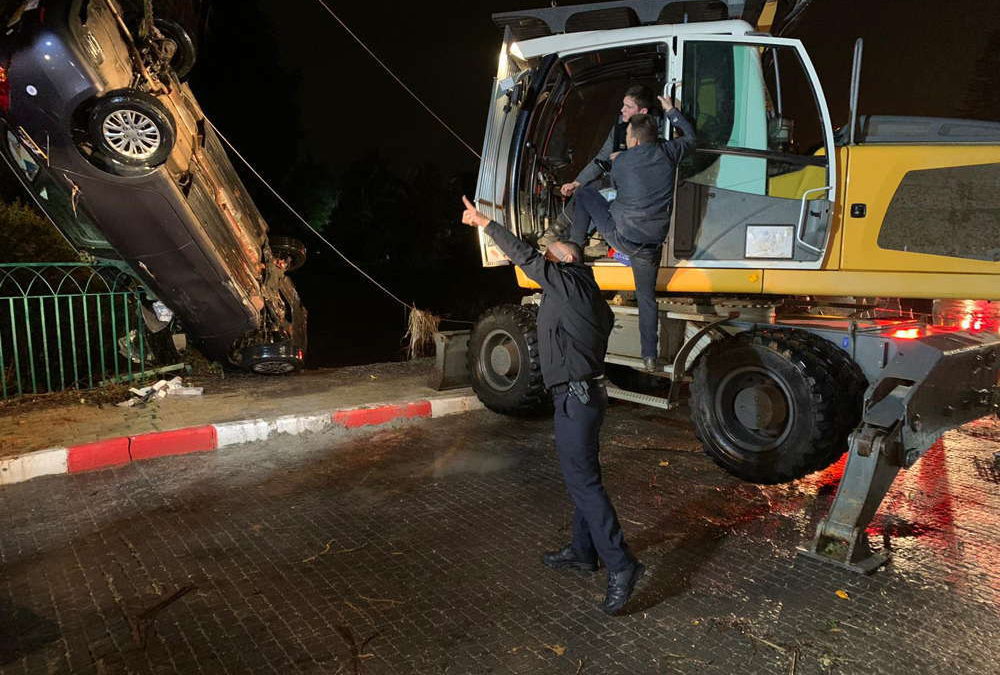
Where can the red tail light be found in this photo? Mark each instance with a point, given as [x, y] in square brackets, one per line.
[906, 333]
[4, 90]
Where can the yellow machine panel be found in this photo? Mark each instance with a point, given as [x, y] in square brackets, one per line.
[928, 208]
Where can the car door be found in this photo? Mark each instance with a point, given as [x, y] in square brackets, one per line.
[758, 190]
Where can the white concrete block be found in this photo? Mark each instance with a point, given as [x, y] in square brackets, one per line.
[245, 431]
[32, 465]
[454, 405]
[298, 424]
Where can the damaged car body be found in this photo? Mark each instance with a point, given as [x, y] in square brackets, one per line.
[100, 129]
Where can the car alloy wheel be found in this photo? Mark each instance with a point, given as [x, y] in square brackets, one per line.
[130, 130]
[273, 367]
[131, 134]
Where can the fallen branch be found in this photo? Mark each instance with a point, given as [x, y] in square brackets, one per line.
[145, 619]
[770, 644]
[326, 549]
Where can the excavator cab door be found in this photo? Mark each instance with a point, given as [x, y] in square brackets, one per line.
[494, 168]
[758, 190]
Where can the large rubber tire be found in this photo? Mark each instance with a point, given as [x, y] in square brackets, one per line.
[775, 405]
[504, 362]
[131, 129]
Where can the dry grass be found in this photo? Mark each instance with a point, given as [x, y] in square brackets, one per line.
[422, 326]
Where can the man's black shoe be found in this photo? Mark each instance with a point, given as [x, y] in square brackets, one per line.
[566, 559]
[620, 587]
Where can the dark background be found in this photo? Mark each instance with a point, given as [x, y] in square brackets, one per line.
[382, 180]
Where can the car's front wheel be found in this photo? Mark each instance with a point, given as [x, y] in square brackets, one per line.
[278, 358]
[132, 129]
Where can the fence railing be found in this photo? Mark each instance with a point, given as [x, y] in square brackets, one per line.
[68, 326]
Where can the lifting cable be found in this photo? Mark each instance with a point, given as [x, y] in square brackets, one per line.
[301, 219]
[397, 79]
[305, 223]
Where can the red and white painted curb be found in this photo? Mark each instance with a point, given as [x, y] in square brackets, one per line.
[120, 451]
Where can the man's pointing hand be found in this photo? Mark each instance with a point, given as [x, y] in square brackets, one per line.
[472, 216]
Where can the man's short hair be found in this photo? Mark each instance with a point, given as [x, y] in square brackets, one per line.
[642, 95]
[643, 128]
[558, 250]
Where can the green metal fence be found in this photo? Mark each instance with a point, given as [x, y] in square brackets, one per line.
[68, 326]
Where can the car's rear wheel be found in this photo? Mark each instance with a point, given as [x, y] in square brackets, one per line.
[291, 251]
[185, 54]
[131, 128]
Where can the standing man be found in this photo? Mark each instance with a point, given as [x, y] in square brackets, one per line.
[636, 222]
[574, 322]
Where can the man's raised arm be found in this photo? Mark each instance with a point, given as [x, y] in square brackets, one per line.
[520, 253]
[678, 147]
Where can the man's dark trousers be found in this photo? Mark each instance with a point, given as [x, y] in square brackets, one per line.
[596, 531]
[592, 208]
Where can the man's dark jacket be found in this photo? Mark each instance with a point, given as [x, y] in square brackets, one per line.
[644, 178]
[574, 320]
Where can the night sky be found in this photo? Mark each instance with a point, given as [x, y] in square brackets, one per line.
[919, 58]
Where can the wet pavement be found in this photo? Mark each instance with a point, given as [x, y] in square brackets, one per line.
[415, 549]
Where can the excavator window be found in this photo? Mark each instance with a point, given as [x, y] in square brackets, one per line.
[753, 189]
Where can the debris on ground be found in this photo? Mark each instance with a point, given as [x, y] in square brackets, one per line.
[161, 389]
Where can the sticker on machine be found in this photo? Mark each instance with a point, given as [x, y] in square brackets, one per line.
[770, 241]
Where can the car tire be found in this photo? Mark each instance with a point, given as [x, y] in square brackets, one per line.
[291, 250]
[280, 358]
[504, 362]
[185, 54]
[132, 129]
[775, 405]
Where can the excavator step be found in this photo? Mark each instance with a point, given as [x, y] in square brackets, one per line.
[641, 399]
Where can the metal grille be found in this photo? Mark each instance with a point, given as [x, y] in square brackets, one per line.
[68, 326]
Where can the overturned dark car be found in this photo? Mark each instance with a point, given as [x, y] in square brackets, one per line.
[98, 126]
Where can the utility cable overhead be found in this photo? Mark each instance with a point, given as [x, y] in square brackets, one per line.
[302, 220]
[393, 75]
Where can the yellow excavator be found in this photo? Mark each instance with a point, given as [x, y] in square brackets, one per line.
[822, 289]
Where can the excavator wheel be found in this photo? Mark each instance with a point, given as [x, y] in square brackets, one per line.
[775, 405]
[504, 363]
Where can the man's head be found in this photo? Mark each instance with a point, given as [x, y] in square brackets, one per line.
[641, 129]
[564, 252]
[638, 99]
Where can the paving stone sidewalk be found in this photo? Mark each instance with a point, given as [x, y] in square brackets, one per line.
[415, 549]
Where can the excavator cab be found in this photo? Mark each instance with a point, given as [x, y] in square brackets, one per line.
[753, 194]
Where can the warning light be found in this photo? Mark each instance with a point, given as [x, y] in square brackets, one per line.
[906, 333]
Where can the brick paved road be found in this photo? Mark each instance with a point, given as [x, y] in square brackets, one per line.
[415, 550]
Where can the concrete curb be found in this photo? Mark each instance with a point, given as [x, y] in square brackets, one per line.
[120, 451]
